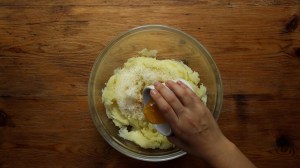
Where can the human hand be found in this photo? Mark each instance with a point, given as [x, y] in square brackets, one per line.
[195, 129]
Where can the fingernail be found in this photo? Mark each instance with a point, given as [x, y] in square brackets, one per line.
[153, 92]
[170, 82]
[183, 85]
[180, 82]
[157, 84]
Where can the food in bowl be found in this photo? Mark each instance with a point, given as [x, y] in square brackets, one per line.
[122, 95]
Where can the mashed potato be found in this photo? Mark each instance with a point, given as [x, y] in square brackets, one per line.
[122, 95]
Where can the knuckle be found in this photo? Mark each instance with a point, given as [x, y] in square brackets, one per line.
[185, 94]
[166, 109]
[160, 87]
[194, 96]
[172, 100]
[188, 95]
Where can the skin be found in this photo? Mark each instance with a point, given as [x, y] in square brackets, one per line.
[195, 129]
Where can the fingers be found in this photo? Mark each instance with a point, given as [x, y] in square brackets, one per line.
[182, 91]
[164, 107]
[170, 98]
[187, 89]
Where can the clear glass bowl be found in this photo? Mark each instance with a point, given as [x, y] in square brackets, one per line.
[171, 44]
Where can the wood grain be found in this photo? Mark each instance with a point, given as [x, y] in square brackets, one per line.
[47, 49]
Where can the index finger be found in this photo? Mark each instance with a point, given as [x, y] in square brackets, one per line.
[165, 109]
[170, 98]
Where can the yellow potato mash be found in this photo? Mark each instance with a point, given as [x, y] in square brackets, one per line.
[122, 96]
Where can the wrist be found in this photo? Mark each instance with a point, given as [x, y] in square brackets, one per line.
[230, 156]
[223, 153]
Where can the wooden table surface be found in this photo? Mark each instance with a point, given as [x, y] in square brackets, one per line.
[47, 49]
